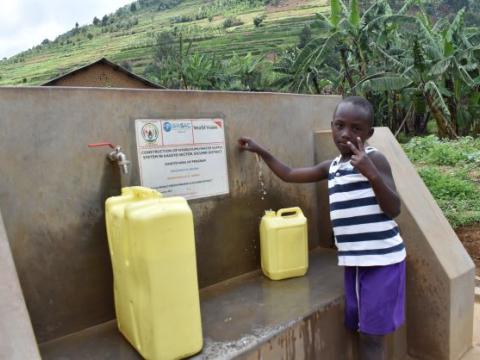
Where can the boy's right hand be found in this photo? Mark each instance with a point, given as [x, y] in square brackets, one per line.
[246, 143]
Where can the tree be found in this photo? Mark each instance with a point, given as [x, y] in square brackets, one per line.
[96, 21]
[133, 7]
[104, 20]
[439, 67]
[398, 61]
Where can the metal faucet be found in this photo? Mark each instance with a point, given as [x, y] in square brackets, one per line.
[119, 156]
[116, 155]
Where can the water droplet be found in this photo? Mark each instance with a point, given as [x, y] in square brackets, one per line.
[261, 183]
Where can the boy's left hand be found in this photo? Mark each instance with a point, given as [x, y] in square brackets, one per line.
[362, 161]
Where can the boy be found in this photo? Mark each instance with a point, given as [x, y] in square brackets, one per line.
[363, 202]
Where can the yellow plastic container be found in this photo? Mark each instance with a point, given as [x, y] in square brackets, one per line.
[152, 247]
[284, 243]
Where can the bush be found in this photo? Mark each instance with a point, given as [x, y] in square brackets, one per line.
[305, 37]
[232, 21]
[457, 196]
[257, 21]
[181, 19]
[448, 185]
[431, 150]
[450, 171]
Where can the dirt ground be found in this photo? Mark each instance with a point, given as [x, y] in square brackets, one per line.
[470, 237]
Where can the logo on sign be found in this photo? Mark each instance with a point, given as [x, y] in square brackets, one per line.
[176, 126]
[150, 132]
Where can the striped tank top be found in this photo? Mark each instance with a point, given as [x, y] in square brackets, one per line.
[364, 234]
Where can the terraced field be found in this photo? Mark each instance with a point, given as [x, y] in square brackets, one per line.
[280, 28]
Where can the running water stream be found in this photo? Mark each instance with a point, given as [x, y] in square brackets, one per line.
[261, 183]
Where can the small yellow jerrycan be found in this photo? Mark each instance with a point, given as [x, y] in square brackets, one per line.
[284, 243]
[152, 247]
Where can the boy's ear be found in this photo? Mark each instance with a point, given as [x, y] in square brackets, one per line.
[370, 132]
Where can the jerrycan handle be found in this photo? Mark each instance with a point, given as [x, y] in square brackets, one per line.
[289, 212]
[145, 193]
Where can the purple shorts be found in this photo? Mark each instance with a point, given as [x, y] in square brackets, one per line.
[375, 298]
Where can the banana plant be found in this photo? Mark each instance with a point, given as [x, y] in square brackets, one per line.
[438, 64]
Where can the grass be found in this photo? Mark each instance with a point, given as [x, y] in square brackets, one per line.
[450, 169]
[279, 30]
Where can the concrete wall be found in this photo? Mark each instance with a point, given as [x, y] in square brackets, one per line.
[53, 188]
[17, 341]
[440, 273]
[52, 192]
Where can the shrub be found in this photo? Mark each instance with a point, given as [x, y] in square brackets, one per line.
[257, 21]
[305, 36]
[232, 21]
[450, 171]
[434, 151]
[181, 19]
[457, 196]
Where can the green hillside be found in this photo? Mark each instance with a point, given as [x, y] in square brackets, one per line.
[130, 34]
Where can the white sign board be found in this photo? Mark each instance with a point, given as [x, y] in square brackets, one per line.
[183, 157]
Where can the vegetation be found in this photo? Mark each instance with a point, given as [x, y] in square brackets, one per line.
[450, 169]
[127, 35]
[409, 67]
[415, 62]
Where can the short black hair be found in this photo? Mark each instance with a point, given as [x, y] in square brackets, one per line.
[361, 102]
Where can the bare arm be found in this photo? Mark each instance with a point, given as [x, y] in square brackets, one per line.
[284, 172]
[376, 169]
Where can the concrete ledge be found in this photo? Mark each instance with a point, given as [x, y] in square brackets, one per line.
[252, 315]
[247, 316]
[251, 318]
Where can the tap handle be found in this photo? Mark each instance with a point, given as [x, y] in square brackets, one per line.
[102, 144]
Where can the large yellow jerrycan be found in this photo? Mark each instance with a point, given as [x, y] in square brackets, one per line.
[284, 243]
[152, 247]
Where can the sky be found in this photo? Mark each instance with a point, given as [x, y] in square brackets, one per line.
[26, 23]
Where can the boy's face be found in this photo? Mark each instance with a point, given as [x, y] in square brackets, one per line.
[349, 122]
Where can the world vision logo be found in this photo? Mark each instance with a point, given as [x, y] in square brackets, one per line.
[218, 122]
[150, 132]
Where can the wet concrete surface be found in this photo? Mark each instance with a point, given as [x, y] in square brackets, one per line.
[103, 341]
[238, 315]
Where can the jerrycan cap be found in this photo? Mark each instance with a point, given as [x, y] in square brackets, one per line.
[270, 213]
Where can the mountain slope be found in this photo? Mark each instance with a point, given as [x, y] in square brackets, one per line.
[130, 34]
